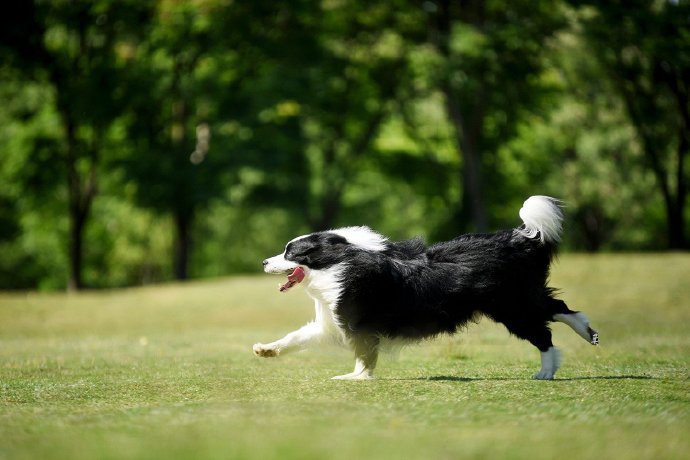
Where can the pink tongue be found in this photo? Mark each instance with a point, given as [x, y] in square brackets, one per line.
[293, 278]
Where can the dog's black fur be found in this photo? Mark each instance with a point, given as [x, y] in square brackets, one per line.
[411, 291]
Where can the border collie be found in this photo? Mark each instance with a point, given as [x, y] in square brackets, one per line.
[369, 290]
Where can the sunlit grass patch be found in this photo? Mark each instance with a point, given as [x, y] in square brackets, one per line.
[168, 372]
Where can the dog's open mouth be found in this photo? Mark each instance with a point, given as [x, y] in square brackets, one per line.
[295, 277]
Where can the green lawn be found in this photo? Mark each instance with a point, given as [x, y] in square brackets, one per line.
[168, 372]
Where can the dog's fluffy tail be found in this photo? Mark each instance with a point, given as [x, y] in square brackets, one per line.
[543, 218]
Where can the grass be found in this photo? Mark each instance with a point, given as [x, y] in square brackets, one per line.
[167, 372]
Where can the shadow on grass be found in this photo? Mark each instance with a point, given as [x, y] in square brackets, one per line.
[448, 378]
[610, 377]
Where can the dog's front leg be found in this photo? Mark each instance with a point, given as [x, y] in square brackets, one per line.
[366, 355]
[297, 340]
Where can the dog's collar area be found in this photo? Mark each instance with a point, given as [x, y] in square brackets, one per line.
[295, 277]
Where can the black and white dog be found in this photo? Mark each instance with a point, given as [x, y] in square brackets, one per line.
[369, 290]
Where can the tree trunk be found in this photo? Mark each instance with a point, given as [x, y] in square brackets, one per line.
[471, 178]
[473, 190]
[676, 229]
[76, 217]
[329, 208]
[468, 129]
[183, 243]
[76, 250]
[80, 197]
[676, 208]
[678, 82]
[80, 201]
[674, 200]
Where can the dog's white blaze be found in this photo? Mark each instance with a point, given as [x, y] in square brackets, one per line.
[542, 215]
[363, 237]
[550, 362]
[278, 264]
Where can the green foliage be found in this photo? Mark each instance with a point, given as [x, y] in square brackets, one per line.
[145, 141]
[645, 51]
[28, 137]
[490, 58]
[585, 152]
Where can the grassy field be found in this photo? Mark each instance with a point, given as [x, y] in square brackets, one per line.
[168, 372]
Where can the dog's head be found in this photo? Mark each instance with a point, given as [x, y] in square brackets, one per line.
[320, 251]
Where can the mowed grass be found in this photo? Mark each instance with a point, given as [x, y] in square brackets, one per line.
[168, 372]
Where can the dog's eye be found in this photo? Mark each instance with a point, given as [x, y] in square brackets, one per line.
[306, 251]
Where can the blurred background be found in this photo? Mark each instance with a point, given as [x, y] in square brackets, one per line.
[147, 141]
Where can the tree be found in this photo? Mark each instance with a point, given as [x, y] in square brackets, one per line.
[317, 90]
[76, 47]
[363, 59]
[644, 47]
[168, 121]
[491, 58]
[208, 104]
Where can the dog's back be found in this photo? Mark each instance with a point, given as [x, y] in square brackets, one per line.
[421, 293]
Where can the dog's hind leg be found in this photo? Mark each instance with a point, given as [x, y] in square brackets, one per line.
[366, 355]
[575, 319]
[550, 363]
[539, 335]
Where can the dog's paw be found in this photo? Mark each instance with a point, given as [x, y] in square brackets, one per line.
[262, 350]
[544, 375]
[593, 336]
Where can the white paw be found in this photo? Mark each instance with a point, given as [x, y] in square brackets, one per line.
[354, 376]
[544, 374]
[550, 362]
[265, 351]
